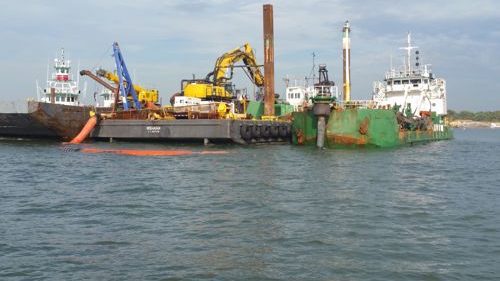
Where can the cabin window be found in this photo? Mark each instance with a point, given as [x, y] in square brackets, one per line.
[406, 81]
[416, 81]
[397, 82]
[389, 82]
[426, 81]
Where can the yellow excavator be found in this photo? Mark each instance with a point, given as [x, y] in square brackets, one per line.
[216, 85]
[143, 95]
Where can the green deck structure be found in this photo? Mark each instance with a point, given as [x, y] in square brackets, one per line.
[256, 109]
[362, 127]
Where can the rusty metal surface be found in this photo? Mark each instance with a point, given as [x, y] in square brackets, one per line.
[347, 140]
[268, 60]
[23, 125]
[66, 121]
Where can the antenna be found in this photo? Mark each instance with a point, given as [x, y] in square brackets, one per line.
[314, 67]
[392, 67]
[84, 91]
[313, 70]
[37, 91]
[48, 66]
[77, 76]
[408, 49]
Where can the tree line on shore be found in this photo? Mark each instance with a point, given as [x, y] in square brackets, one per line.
[485, 116]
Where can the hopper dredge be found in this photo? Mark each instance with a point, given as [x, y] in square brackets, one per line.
[408, 107]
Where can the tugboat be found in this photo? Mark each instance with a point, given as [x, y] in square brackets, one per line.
[57, 114]
[388, 120]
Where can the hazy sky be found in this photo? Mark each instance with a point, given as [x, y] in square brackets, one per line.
[166, 41]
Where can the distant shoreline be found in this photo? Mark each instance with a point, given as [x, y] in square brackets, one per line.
[460, 123]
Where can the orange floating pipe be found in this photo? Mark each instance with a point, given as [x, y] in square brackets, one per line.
[142, 152]
[84, 133]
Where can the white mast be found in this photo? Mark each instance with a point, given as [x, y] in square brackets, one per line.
[408, 49]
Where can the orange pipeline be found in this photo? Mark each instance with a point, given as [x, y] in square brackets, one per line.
[141, 152]
[84, 133]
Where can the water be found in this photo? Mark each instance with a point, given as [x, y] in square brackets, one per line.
[426, 212]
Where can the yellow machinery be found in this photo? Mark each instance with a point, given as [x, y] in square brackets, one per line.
[144, 95]
[216, 85]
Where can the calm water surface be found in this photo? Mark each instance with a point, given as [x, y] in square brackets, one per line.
[426, 212]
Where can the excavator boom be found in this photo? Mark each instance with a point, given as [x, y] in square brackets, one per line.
[244, 53]
[215, 83]
[98, 80]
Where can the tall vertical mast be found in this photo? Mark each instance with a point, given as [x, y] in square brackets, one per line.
[408, 49]
[268, 60]
[346, 51]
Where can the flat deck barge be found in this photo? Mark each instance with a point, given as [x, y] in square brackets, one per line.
[205, 130]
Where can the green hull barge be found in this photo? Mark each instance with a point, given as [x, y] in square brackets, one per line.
[366, 127]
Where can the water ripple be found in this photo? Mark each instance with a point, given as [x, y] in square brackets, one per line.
[425, 212]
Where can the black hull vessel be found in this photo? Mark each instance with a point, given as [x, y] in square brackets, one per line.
[45, 120]
[23, 125]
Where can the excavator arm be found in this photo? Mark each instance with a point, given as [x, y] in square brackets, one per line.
[98, 80]
[244, 53]
[214, 87]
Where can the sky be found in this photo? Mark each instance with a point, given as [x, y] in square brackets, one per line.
[164, 42]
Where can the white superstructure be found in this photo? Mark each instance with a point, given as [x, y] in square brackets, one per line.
[107, 98]
[300, 95]
[61, 88]
[413, 88]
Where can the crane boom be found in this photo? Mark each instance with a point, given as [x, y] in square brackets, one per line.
[125, 81]
[147, 95]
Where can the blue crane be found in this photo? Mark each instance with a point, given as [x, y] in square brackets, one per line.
[126, 88]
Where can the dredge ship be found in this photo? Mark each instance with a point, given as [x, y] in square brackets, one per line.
[408, 107]
[58, 113]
